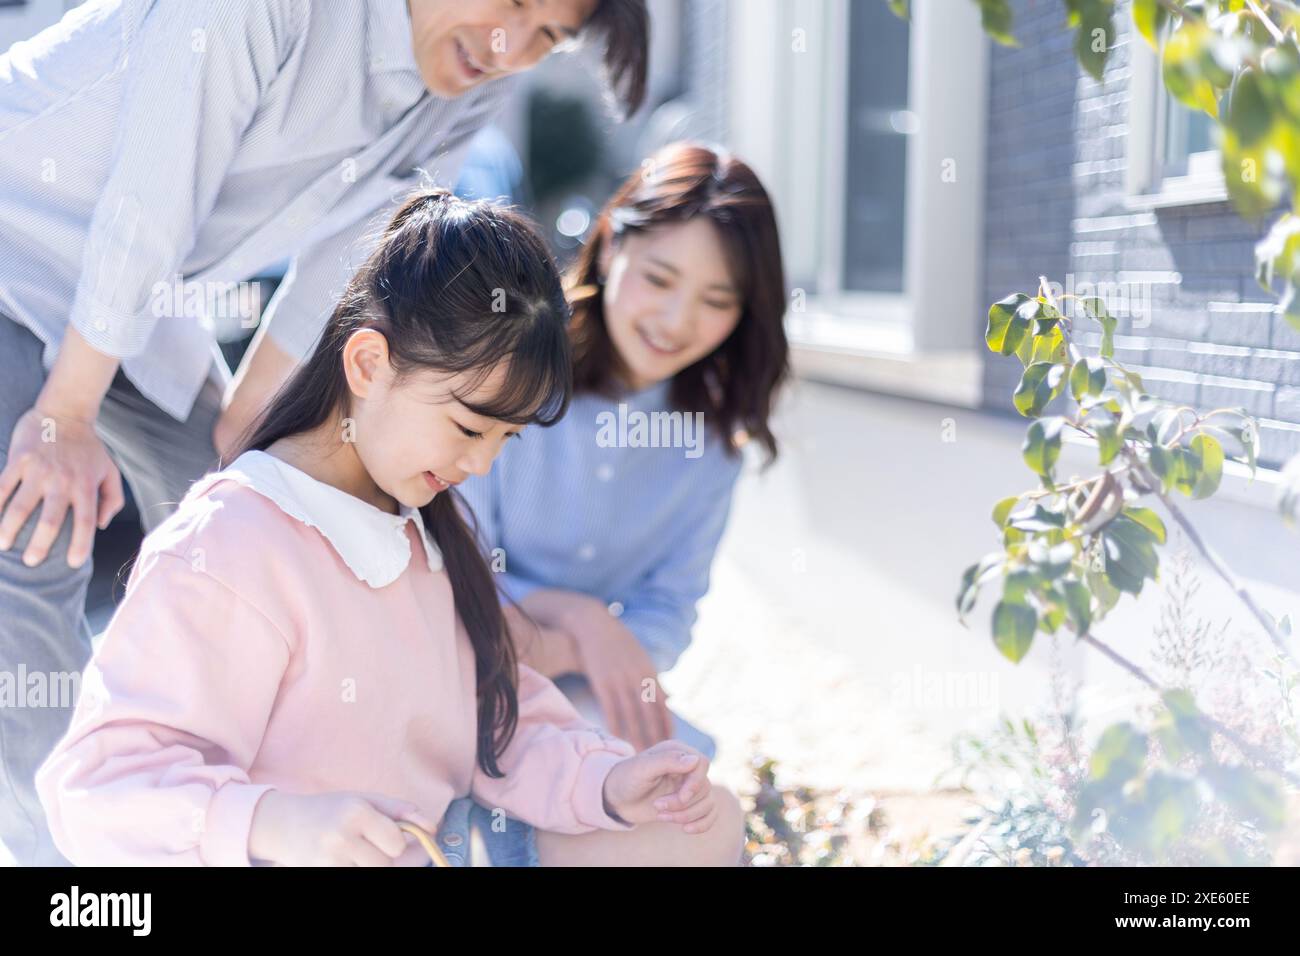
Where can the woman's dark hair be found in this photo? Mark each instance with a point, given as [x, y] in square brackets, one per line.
[460, 287]
[736, 383]
[623, 26]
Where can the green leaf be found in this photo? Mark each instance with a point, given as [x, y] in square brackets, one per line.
[1249, 115]
[1049, 346]
[1097, 309]
[1002, 509]
[1038, 386]
[1095, 37]
[1188, 471]
[973, 578]
[1043, 445]
[1149, 17]
[1181, 728]
[901, 8]
[1007, 328]
[1130, 554]
[1036, 518]
[1255, 184]
[1050, 562]
[1182, 67]
[1087, 378]
[1119, 755]
[1078, 602]
[1167, 464]
[1107, 594]
[1017, 584]
[1013, 629]
[1282, 65]
[1149, 520]
[1109, 441]
[995, 17]
[1164, 425]
[1210, 458]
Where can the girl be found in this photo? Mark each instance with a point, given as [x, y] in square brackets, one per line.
[310, 649]
[678, 301]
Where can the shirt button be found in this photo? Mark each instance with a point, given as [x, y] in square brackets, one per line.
[452, 839]
[605, 472]
[587, 552]
[616, 609]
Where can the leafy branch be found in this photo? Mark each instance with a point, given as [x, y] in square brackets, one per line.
[1070, 551]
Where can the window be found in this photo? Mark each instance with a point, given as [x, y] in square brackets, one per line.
[877, 127]
[870, 134]
[1187, 151]
[1172, 159]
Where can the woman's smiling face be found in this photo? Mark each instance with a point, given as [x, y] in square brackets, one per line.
[669, 299]
[461, 44]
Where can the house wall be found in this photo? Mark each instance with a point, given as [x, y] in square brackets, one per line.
[1057, 204]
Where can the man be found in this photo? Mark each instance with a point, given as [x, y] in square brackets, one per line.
[152, 154]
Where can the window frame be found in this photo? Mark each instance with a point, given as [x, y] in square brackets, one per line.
[791, 143]
[1146, 183]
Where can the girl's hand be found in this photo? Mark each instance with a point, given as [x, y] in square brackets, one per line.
[613, 661]
[335, 829]
[668, 783]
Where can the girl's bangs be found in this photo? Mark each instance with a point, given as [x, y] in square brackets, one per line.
[538, 383]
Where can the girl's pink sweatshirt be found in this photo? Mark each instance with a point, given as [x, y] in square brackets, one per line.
[278, 632]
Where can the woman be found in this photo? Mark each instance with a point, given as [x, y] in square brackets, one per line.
[602, 528]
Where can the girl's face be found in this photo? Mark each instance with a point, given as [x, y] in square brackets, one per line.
[669, 299]
[411, 435]
[461, 44]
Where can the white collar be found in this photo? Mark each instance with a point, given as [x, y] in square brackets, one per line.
[373, 543]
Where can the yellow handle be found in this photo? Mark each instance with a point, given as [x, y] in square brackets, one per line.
[426, 841]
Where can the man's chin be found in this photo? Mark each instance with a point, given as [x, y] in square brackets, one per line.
[447, 88]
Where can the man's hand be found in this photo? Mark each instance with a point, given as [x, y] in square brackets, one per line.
[620, 672]
[56, 457]
[62, 462]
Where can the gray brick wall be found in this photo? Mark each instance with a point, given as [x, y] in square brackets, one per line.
[1029, 202]
[1055, 204]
